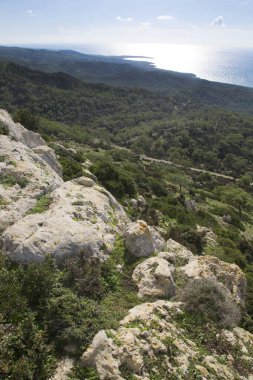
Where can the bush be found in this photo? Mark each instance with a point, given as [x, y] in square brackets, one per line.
[71, 320]
[71, 168]
[3, 129]
[189, 237]
[24, 354]
[208, 300]
[115, 179]
[27, 119]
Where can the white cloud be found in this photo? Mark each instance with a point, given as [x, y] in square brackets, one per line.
[218, 22]
[30, 12]
[122, 19]
[165, 18]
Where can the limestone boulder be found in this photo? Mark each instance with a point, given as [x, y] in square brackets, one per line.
[229, 275]
[142, 240]
[82, 219]
[154, 278]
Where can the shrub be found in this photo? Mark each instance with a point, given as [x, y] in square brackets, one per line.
[208, 300]
[24, 353]
[3, 129]
[189, 237]
[71, 168]
[71, 320]
[27, 119]
[115, 179]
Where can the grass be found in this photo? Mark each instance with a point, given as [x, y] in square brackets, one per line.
[10, 180]
[42, 205]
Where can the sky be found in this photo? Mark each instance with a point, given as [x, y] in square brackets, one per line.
[57, 22]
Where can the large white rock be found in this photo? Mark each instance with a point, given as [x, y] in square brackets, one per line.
[30, 139]
[154, 278]
[81, 220]
[143, 240]
[19, 133]
[38, 178]
[229, 275]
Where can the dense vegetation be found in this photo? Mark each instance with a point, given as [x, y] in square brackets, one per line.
[46, 311]
[156, 124]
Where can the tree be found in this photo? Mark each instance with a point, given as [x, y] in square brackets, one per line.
[236, 197]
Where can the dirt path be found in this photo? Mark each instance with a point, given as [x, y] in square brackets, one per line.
[143, 157]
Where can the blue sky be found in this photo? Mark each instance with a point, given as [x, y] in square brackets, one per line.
[212, 22]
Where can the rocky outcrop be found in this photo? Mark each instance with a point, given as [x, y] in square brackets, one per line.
[24, 174]
[48, 155]
[228, 275]
[82, 219]
[151, 342]
[208, 236]
[31, 140]
[176, 253]
[18, 133]
[142, 240]
[154, 278]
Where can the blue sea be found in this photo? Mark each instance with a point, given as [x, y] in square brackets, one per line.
[225, 65]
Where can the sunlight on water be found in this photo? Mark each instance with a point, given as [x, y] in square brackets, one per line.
[183, 58]
[221, 65]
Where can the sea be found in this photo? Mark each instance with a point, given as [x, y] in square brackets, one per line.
[227, 65]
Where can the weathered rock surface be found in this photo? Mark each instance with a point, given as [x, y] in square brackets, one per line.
[82, 219]
[24, 174]
[48, 155]
[154, 278]
[208, 236]
[143, 240]
[30, 139]
[176, 253]
[229, 275]
[151, 343]
[63, 369]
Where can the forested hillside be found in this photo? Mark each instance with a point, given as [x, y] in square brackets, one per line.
[117, 72]
[159, 125]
